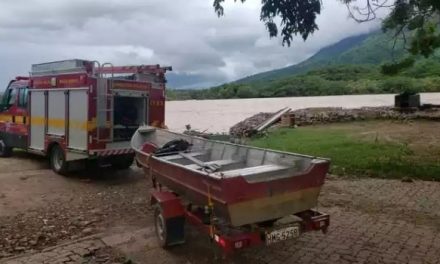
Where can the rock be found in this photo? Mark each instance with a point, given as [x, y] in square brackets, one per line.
[87, 231]
[85, 223]
[19, 249]
[23, 178]
[5, 255]
[31, 251]
[47, 228]
[407, 179]
[96, 211]
[102, 258]
[247, 126]
[40, 236]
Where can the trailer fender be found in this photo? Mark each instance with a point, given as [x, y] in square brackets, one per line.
[169, 203]
[169, 217]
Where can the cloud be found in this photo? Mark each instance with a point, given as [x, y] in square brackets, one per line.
[185, 34]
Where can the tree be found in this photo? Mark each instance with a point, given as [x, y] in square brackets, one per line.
[246, 91]
[418, 18]
[297, 17]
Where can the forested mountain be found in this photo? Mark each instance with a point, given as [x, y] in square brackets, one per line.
[351, 66]
[372, 48]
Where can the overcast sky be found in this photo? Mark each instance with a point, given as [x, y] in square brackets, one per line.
[185, 34]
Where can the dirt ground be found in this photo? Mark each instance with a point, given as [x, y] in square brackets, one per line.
[372, 220]
[39, 208]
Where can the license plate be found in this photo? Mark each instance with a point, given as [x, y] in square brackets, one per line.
[282, 234]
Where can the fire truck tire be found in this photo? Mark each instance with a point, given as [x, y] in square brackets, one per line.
[5, 151]
[122, 162]
[169, 232]
[58, 161]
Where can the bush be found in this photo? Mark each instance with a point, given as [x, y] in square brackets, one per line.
[398, 85]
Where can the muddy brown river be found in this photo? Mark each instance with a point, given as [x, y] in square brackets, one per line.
[217, 116]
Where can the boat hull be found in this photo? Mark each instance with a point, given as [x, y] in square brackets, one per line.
[241, 200]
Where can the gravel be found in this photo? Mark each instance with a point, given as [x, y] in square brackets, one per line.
[88, 214]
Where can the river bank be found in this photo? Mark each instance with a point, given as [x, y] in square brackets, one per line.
[217, 116]
[378, 142]
[314, 116]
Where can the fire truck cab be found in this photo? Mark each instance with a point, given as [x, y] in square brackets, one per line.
[77, 110]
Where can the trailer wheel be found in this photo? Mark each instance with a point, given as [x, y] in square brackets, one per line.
[169, 232]
[161, 227]
[58, 161]
[5, 151]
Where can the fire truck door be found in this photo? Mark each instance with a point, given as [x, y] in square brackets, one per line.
[78, 116]
[37, 119]
[56, 113]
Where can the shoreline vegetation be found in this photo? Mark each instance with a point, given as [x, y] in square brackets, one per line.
[331, 80]
[379, 148]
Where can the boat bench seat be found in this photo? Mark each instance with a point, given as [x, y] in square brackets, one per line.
[256, 170]
[177, 156]
[217, 162]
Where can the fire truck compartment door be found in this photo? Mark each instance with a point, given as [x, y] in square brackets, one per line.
[78, 109]
[56, 113]
[37, 124]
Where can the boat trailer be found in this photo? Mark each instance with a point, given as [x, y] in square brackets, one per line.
[240, 196]
[171, 214]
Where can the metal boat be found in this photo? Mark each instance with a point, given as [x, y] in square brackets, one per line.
[243, 184]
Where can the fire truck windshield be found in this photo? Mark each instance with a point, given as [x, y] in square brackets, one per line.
[9, 97]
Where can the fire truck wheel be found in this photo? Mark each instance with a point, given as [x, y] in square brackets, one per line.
[123, 162]
[58, 161]
[5, 151]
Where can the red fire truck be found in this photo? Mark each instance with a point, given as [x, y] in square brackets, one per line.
[76, 110]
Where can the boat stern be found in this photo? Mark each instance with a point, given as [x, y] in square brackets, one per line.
[269, 200]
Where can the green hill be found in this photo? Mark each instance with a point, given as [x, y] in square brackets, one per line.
[351, 66]
[373, 48]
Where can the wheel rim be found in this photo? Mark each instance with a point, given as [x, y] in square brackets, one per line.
[57, 159]
[160, 227]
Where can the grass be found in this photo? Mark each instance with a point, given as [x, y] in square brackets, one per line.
[354, 154]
